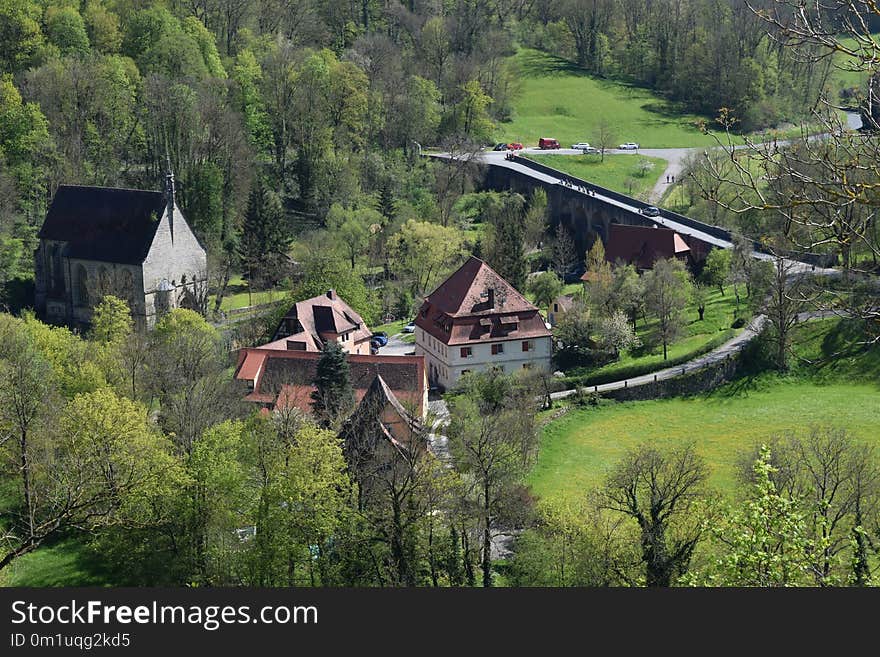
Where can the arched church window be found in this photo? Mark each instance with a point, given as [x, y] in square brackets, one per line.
[105, 282]
[82, 286]
[126, 287]
[57, 271]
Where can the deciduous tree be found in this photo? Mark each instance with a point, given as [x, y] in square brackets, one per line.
[662, 493]
[667, 289]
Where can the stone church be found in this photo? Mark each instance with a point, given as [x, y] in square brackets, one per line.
[130, 243]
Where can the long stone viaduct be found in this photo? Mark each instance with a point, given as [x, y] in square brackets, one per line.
[587, 210]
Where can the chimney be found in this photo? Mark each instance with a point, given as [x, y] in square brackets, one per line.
[331, 294]
[169, 195]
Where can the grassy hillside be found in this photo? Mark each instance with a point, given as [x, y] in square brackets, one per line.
[558, 99]
[842, 73]
[579, 448]
[65, 563]
[698, 337]
[617, 172]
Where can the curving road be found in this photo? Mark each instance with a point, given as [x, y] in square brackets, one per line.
[674, 157]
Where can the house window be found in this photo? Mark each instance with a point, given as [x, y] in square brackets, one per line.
[466, 352]
[497, 348]
[528, 345]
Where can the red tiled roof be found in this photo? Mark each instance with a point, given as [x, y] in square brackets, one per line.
[475, 304]
[642, 246]
[463, 292]
[286, 377]
[321, 318]
[595, 276]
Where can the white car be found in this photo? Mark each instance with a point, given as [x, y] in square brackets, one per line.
[581, 146]
[410, 328]
[629, 146]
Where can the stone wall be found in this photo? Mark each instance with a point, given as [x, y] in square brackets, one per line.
[692, 382]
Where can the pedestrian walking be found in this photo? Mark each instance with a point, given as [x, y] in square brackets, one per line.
[673, 179]
[667, 180]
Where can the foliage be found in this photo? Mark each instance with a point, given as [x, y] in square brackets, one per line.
[333, 398]
[111, 320]
[423, 252]
[667, 288]
[265, 239]
[717, 268]
[765, 541]
[492, 435]
[503, 237]
[616, 333]
[544, 288]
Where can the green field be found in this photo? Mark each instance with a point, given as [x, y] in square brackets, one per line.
[237, 295]
[558, 99]
[618, 172]
[579, 448]
[843, 75]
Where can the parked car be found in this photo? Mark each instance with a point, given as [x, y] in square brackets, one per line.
[650, 211]
[591, 151]
[499, 147]
[410, 328]
[545, 143]
[515, 146]
[581, 146]
[629, 146]
[381, 337]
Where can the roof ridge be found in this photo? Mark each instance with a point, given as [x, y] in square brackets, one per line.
[112, 189]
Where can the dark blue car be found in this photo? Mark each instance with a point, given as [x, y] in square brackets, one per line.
[380, 338]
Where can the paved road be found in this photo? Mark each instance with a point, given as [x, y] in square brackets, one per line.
[674, 157]
[397, 347]
[498, 159]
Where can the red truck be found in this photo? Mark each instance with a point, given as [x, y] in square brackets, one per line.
[546, 143]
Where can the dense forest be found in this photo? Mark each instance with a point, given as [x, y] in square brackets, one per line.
[274, 112]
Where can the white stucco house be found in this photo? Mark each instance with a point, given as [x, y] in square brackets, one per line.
[475, 320]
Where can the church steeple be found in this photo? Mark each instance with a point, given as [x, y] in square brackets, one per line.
[169, 195]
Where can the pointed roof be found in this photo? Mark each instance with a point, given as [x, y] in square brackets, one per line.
[464, 292]
[371, 411]
[104, 223]
[643, 245]
[319, 319]
[287, 377]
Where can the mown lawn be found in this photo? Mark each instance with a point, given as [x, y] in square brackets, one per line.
[618, 172]
[237, 295]
[830, 384]
[579, 448]
[558, 99]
